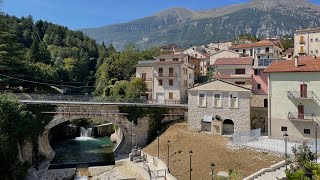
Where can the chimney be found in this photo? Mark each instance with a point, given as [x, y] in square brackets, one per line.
[296, 61]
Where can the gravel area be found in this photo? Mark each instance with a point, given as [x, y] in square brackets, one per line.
[206, 149]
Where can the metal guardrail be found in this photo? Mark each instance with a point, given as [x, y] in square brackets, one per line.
[301, 94]
[300, 116]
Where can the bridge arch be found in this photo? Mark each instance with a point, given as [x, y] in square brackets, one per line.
[122, 145]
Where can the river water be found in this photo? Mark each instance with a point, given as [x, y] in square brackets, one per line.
[83, 150]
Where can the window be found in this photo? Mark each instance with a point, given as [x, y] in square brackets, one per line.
[257, 71]
[190, 76]
[233, 100]
[267, 49]
[202, 100]
[171, 72]
[240, 71]
[160, 70]
[162, 60]
[306, 131]
[258, 86]
[311, 40]
[196, 55]
[144, 76]
[185, 82]
[265, 103]
[237, 50]
[160, 82]
[244, 51]
[240, 83]
[251, 52]
[284, 128]
[258, 50]
[259, 57]
[175, 59]
[216, 99]
[170, 82]
[170, 95]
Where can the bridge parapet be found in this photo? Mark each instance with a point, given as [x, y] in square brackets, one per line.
[58, 98]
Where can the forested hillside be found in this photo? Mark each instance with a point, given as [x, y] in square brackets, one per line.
[38, 55]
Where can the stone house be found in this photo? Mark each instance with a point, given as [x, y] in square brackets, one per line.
[294, 104]
[219, 107]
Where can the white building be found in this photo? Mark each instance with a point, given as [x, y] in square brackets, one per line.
[307, 42]
[170, 77]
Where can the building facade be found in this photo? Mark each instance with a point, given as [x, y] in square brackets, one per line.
[171, 76]
[294, 104]
[219, 107]
[307, 42]
[260, 50]
[234, 70]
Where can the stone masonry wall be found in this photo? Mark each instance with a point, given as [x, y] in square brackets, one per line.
[240, 116]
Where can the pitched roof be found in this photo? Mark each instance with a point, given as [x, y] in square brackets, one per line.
[289, 51]
[171, 56]
[308, 30]
[219, 85]
[224, 51]
[222, 76]
[234, 61]
[257, 44]
[311, 65]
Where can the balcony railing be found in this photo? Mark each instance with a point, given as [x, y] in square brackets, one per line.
[166, 75]
[300, 94]
[300, 116]
[302, 42]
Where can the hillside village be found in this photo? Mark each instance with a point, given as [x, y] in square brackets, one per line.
[156, 104]
[250, 86]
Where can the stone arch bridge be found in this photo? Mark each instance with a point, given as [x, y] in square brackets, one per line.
[128, 134]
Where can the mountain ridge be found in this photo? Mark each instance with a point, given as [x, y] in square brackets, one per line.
[164, 27]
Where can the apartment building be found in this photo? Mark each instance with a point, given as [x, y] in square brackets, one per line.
[219, 107]
[264, 49]
[170, 77]
[307, 42]
[294, 104]
[236, 70]
[200, 53]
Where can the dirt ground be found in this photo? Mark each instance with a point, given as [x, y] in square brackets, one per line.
[206, 149]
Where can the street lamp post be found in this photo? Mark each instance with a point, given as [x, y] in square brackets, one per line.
[212, 165]
[316, 134]
[158, 133]
[168, 160]
[190, 167]
[285, 137]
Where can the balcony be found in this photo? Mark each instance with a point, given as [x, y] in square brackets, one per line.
[144, 79]
[302, 42]
[300, 95]
[294, 116]
[166, 75]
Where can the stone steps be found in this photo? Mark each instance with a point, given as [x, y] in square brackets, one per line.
[274, 175]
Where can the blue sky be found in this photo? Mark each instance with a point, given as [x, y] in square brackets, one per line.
[77, 14]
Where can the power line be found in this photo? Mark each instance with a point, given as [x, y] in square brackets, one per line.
[68, 82]
[42, 83]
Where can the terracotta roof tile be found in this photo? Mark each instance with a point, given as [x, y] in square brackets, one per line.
[237, 76]
[234, 61]
[257, 44]
[311, 65]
